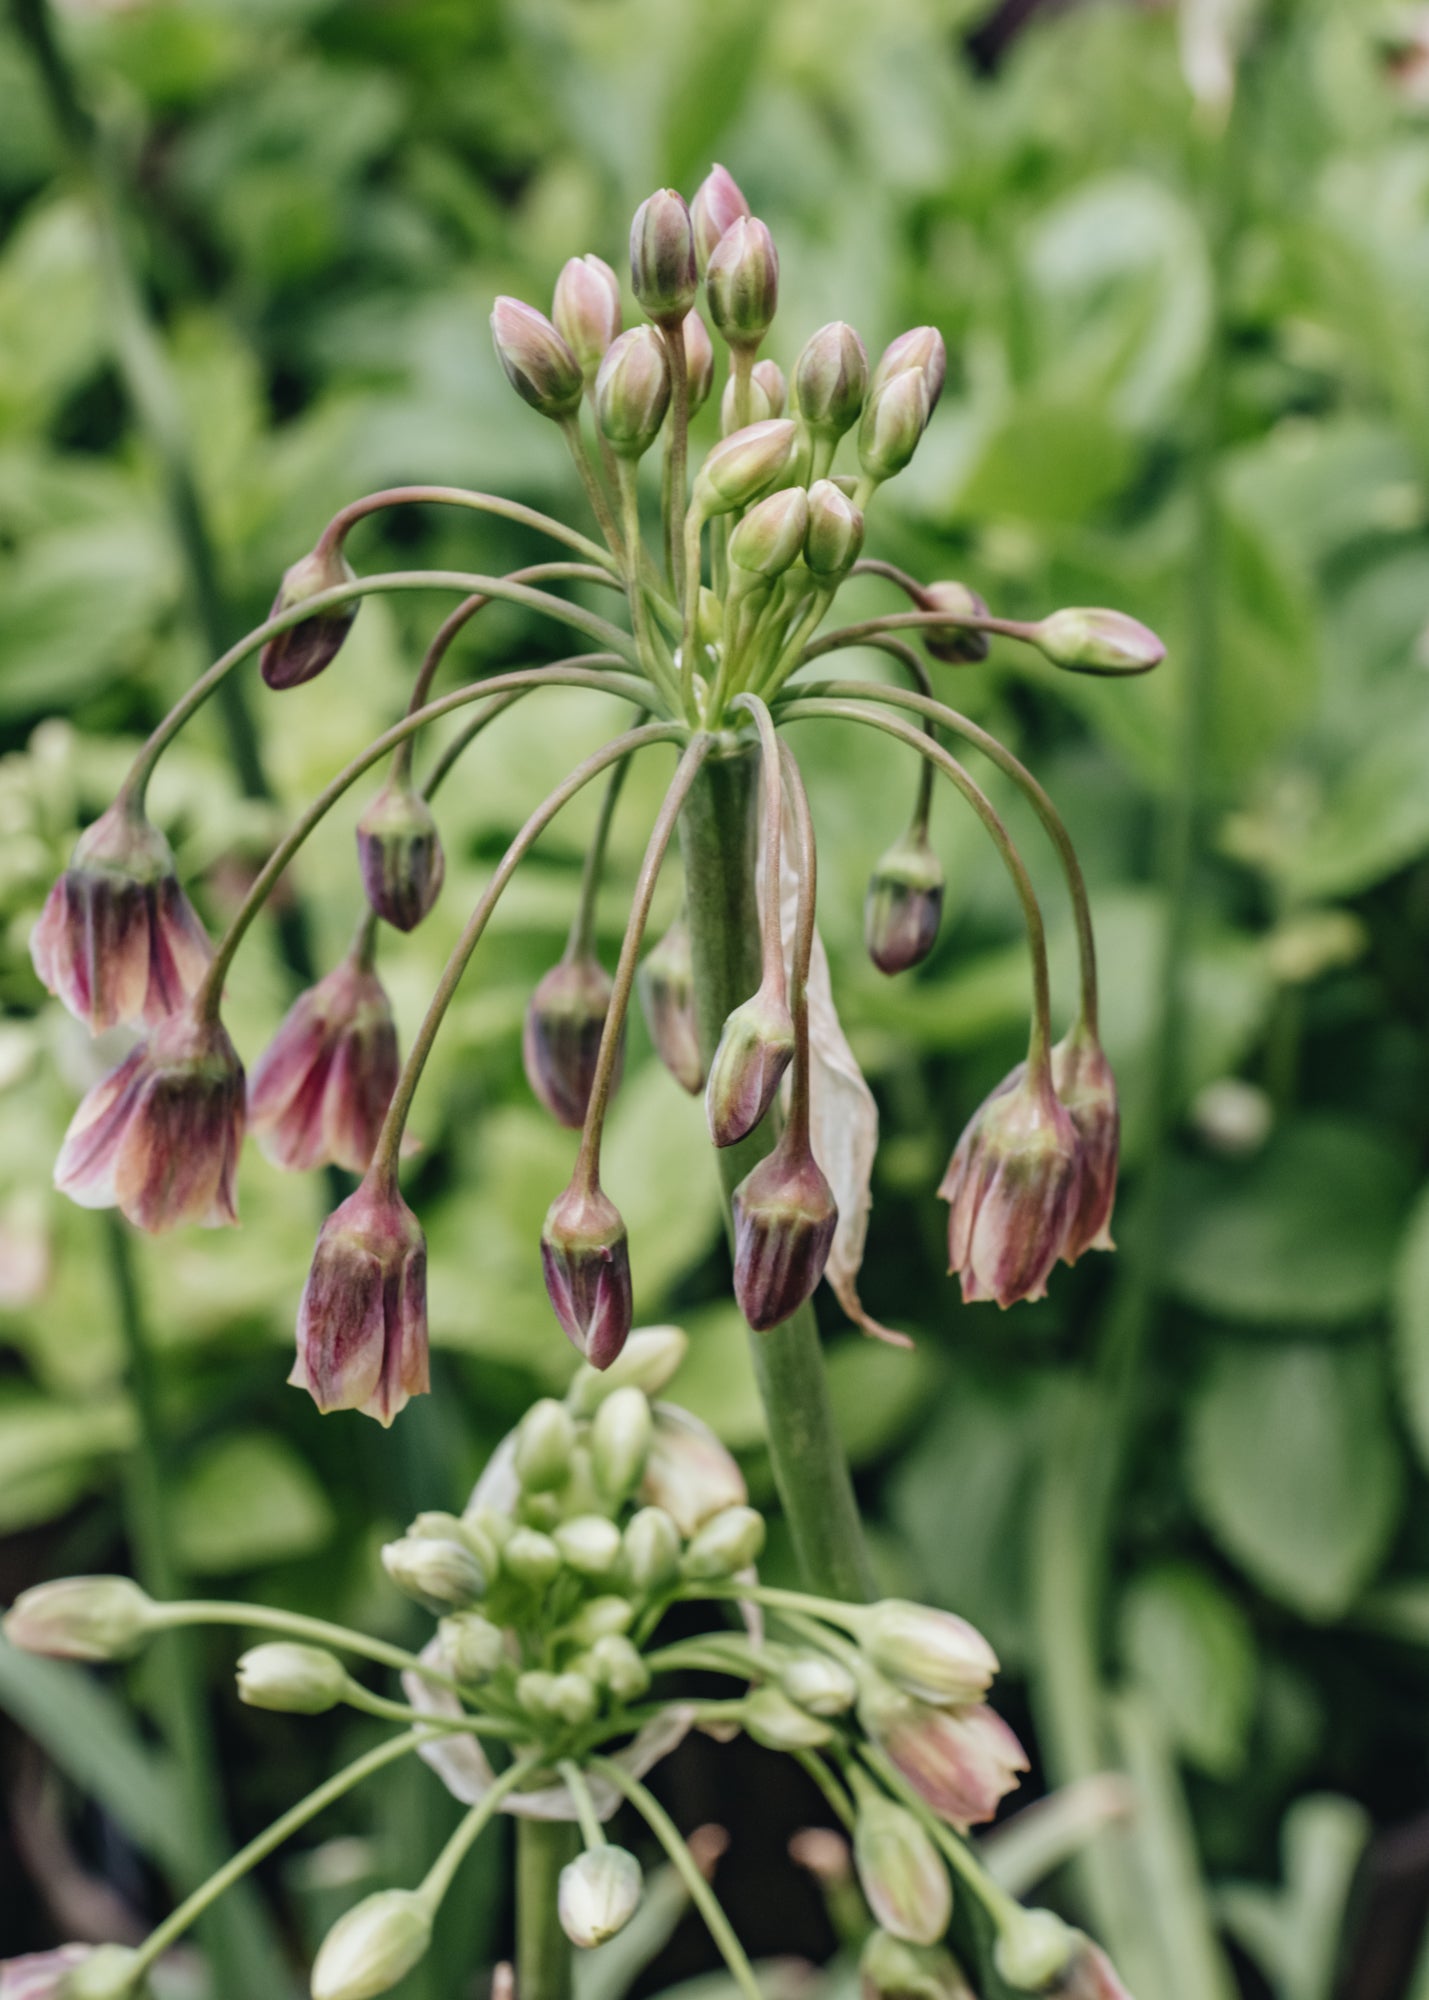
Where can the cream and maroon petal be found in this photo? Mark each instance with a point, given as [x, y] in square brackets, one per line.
[85, 1167]
[341, 1329]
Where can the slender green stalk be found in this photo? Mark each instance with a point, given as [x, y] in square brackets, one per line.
[592, 1832]
[297, 1625]
[336, 531]
[543, 1955]
[439, 1876]
[916, 621]
[810, 1468]
[838, 1799]
[594, 492]
[651, 651]
[676, 449]
[581, 939]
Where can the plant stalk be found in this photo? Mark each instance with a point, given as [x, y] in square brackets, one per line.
[543, 1955]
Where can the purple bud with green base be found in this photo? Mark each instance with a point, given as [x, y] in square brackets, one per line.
[81, 1618]
[560, 1042]
[785, 1216]
[742, 466]
[663, 270]
[586, 1261]
[894, 419]
[538, 363]
[586, 310]
[771, 535]
[901, 1872]
[954, 645]
[961, 1761]
[831, 380]
[699, 361]
[304, 650]
[922, 347]
[755, 1049]
[400, 854]
[717, 206]
[904, 904]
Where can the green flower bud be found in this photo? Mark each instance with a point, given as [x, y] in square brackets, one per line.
[1033, 1949]
[922, 347]
[900, 1870]
[539, 365]
[632, 392]
[535, 1691]
[473, 1646]
[755, 1049]
[904, 904]
[531, 1558]
[619, 1441]
[649, 1361]
[717, 206]
[586, 310]
[488, 1521]
[933, 1654]
[442, 1575]
[109, 1972]
[819, 1684]
[296, 1680]
[545, 1439]
[599, 1894]
[729, 1542]
[662, 258]
[689, 1472]
[892, 1970]
[652, 1549]
[771, 535]
[956, 645]
[894, 419]
[615, 1663]
[740, 467]
[666, 983]
[307, 648]
[82, 1618]
[573, 1699]
[767, 396]
[601, 1618]
[367, 1951]
[773, 1720]
[699, 361]
[835, 535]
[1098, 642]
[589, 1543]
[742, 282]
[831, 380]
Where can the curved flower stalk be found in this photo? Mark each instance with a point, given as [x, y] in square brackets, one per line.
[597, 1516]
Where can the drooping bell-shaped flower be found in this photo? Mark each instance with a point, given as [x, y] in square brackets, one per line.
[586, 1261]
[400, 854]
[904, 903]
[1086, 1088]
[560, 1041]
[318, 1094]
[118, 940]
[304, 650]
[1013, 1186]
[159, 1137]
[362, 1322]
[960, 1761]
[785, 1216]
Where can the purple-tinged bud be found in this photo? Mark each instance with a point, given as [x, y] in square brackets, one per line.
[586, 309]
[539, 365]
[891, 1970]
[727, 1543]
[158, 1138]
[689, 1474]
[717, 206]
[922, 347]
[302, 651]
[662, 258]
[632, 392]
[1086, 1088]
[1033, 1950]
[1013, 1187]
[819, 1684]
[81, 1618]
[373, 1946]
[620, 1435]
[545, 1441]
[835, 531]
[772, 1719]
[767, 377]
[651, 1547]
[1098, 642]
[320, 1091]
[961, 1761]
[894, 419]
[118, 940]
[742, 282]
[755, 1049]
[699, 361]
[785, 1216]
[831, 380]
[666, 983]
[771, 535]
[291, 1680]
[955, 645]
[362, 1322]
[904, 904]
[1088, 1975]
[400, 854]
[740, 467]
[935, 1655]
[599, 1893]
[586, 1260]
[901, 1873]
[560, 1042]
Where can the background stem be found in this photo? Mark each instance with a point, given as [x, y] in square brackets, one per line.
[543, 1955]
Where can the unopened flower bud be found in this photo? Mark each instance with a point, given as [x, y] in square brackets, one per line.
[728, 1543]
[652, 1549]
[434, 1526]
[586, 309]
[158, 1138]
[535, 1691]
[921, 347]
[762, 403]
[740, 467]
[302, 651]
[319, 1093]
[589, 1544]
[831, 380]
[560, 1041]
[649, 1360]
[768, 378]
[773, 1720]
[955, 645]
[755, 1049]
[1088, 1975]
[699, 361]
[889, 1969]
[472, 1647]
[599, 1893]
[819, 1684]
[400, 854]
[105, 1972]
[294, 1680]
[362, 1322]
[689, 1473]
[617, 1665]
[771, 535]
[1098, 642]
[1033, 1949]
[1086, 1089]
[904, 904]
[373, 1946]
[894, 419]
[785, 1216]
[531, 1557]
[118, 940]
[539, 365]
[608, 1617]
[933, 1654]
[835, 534]
[632, 392]
[545, 1439]
[901, 1873]
[620, 1435]
[961, 1761]
[666, 983]
[717, 206]
[586, 1261]
[742, 282]
[1013, 1187]
[443, 1576]
[573, 1698]
[81, 1618]
[662, 257]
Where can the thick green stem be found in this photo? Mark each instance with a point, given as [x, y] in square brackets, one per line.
[543, 1955]
[718, 841]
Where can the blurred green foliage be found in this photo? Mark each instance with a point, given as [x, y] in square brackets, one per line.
[1185, 1495]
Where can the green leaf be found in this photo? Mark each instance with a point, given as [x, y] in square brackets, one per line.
[250, 1500]
[51, 1452]
[1411, 1324]
[1296, 1935]
[879, 1392]
[1190, 1647]
[1296, 1470]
